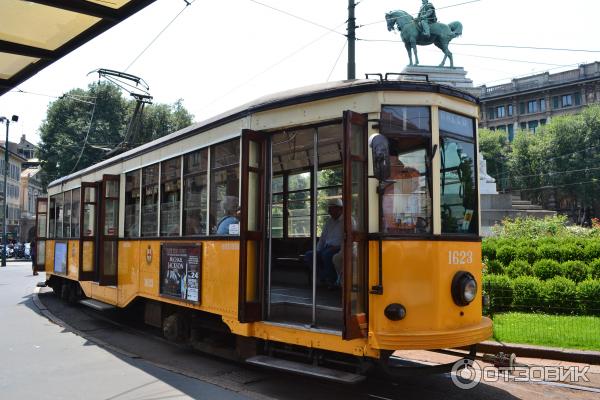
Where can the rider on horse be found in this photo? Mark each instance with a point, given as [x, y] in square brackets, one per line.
[426, 16]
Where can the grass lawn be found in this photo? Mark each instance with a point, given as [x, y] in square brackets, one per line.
[574, 332]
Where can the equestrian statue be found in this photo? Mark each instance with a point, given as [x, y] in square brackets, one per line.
[423, 30]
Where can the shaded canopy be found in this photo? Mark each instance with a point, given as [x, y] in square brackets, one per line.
[36, 33]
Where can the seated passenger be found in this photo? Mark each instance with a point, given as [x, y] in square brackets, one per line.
[230, 223]
[329, 244]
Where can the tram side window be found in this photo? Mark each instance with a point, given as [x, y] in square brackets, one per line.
[132, 204]
[170, 197]
[195, 167]
[59, 215]
[224, 195]
[150, 200]
[75, 210]
[67, 217]
[458, 174]
[52, 217]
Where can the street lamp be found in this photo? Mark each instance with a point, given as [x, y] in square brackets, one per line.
[14, 118]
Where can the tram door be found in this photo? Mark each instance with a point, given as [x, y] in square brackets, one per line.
[108, 230]
[41, 212]
[88, 243]
[252, 226]
[355, 222]
[99, 231]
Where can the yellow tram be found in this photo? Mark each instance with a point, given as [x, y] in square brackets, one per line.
[143, 229]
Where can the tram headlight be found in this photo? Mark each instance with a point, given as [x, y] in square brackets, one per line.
[464, 288]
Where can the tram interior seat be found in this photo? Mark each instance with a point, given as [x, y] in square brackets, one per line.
[288, 266]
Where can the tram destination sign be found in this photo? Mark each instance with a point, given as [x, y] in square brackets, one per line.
[180, 271]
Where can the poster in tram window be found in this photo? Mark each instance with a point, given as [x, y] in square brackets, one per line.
[180, 271]
[60, 257]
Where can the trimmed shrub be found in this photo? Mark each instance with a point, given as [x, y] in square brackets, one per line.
[588, 296]
[488, 250]
[576, 271]
[518, 268]
[506, 254]
[546, 269]
[499, 289]
[494, 267]
[549, 251]
[594, 269]
[570, 252]
[591, 251]
[526, 253]
[527, 292]
[558, 295]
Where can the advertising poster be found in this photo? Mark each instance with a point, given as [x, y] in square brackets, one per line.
[180, 271]
[60, 257]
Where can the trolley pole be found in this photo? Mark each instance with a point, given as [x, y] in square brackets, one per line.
[4, 203]
[351, 40]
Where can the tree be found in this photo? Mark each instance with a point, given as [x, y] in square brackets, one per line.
[494, 147]
[82, 125]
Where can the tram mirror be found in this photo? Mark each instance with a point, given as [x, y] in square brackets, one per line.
[380, 148]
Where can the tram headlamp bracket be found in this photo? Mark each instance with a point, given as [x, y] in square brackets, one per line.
[464, 288]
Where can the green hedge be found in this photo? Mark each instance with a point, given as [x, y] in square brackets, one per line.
[518, 268]
[594, 269]
[576, 271]
[527, 293]
[588, 296]
[558, 295]
[499, 288]
[546, 269]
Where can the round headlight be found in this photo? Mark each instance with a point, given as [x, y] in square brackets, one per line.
[464, 288]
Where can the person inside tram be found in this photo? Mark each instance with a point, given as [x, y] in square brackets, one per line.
[330, 244]
[230, 222]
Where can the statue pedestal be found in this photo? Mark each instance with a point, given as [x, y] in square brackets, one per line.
[456, 77]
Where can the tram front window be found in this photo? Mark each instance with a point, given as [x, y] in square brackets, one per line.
[458, 175]
[406, 199]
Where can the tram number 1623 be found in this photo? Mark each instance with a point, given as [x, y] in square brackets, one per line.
[460, 257]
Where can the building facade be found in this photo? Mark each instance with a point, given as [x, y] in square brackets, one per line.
[529, 102]
[31, 188]
[13, 189]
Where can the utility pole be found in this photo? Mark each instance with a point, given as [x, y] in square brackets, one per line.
[351, 40]
[14, 118]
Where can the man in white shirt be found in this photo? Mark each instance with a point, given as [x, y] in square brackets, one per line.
[329, 244]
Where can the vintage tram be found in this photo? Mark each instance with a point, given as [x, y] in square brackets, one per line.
[142, 230]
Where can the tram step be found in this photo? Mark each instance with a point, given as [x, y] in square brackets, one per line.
[96, 305]
[305, 369]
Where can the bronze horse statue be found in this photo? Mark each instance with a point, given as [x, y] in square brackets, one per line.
[411, 34]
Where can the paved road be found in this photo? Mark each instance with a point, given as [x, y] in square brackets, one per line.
[68, 366]
[41, 360]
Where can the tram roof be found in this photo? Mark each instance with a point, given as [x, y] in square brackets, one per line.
[36, 33]
[277, 100]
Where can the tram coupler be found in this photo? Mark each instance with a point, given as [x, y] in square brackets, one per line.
[502, 361]
[42, 284]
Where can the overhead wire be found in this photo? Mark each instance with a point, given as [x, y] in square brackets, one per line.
[285, 58]
[437, 8]
[86, 136]
[337, 60]
[187, 4]
[289, 14]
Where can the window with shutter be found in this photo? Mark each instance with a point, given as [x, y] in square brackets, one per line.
[555, 102]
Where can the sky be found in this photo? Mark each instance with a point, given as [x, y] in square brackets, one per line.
[216, 55]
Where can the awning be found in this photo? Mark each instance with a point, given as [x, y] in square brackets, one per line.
[34, 34]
